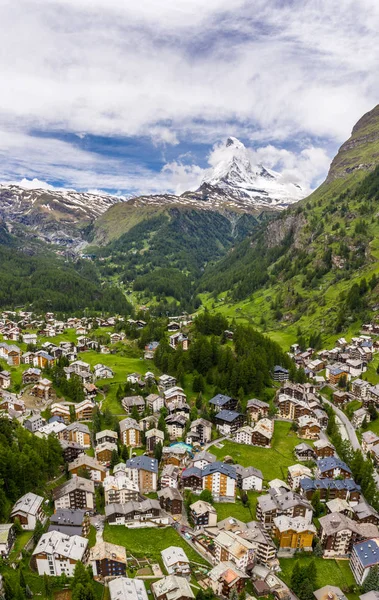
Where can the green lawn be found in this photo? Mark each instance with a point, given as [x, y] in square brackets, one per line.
[148, 542]
[92, 536]
[237, 509]
[274, 461]
[122, 366]
[21, 541]
[332, 572]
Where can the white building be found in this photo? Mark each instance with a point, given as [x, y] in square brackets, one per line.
[57, 553]
[176, 561]
[123, 587]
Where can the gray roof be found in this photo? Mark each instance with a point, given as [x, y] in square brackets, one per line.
[368, 552]
[219, 467]
[219, 400]
[331, 462]
[248, 472]
[80, 483]
[228, 415]
[168, 492]
[143, 462]
[29, 503]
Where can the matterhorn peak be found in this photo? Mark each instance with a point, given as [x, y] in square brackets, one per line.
[232, 141]
[252, 184]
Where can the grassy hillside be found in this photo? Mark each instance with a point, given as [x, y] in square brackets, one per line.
[316, 265]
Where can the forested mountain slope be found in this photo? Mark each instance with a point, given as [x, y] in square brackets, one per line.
[315, 264]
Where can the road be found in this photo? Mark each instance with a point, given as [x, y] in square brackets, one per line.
[347, 425]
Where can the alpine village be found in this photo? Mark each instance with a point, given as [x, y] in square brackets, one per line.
[189, 387]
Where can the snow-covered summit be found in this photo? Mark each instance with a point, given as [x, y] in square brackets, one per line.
[253, 184]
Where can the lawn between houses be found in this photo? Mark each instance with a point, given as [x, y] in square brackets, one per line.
[274, 461]
[149, 542]
[329, 571]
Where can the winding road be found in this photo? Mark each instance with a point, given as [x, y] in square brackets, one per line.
[351, 434]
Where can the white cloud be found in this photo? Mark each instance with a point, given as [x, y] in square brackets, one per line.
[273, 72]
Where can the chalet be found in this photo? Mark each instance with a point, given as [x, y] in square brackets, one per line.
[133, 402]
[154, 402]
[364, 557]
[77, 493]
[103, 372]
[229, 421]
[79, 433]
[256, 409]
[175, 455]
[123, 587]
[120, 489]
[104, 451]
[143, 470]
[172, 588]
[71, 450]
[28, 510]
[308, 428]
[43, 360]
[369, 440]
[323, 449]
[130, 433]
[174, 395]
[329, 489]
[135, 514]
[280, 373]
[55, 428]
[57, 554]
[202, 459]
[29, 338]
[200, 431]
[226, 580]
[170, 476]
[61, 410]
[33, 423]
[249, 478]
[223, 403]
[107, 560]
[70, 522]
[96, 470]
[294, 533]
[7, 538]
[338, 534]
[165, 382]
[296, 473]
[262, 433]
[359, 388]
[173, 326]
[176, 424]
[364, 513]
[153, 437]
[43, 390]
[282, 502]
[334, 373]
[332, 467]
[340, 398]
[5, 379]
[359, 416]
[106, 436]
[203, 514]
[304, 452]
[179, 339]
[192, 479]
[31, 375]
[176, 561]
[220, 479]
[231, 546]
[171, 500]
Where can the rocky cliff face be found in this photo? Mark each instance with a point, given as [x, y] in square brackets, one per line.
[361, 151]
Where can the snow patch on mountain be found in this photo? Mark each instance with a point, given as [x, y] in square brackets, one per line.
[254, 184]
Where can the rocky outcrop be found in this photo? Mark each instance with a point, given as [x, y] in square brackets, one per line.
[361, 151]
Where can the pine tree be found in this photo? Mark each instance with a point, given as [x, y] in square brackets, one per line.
[296, 577]
[371, 582]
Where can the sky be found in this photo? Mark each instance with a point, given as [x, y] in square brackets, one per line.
[138, 96]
